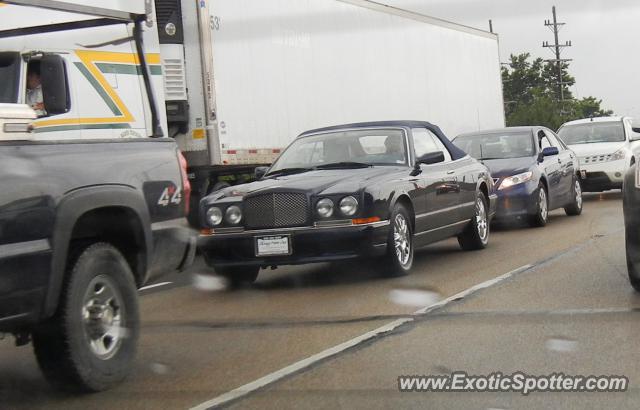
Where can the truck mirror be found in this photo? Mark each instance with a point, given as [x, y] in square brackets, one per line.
[55, 92]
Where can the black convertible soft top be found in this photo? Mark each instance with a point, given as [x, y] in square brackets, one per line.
[456, 153]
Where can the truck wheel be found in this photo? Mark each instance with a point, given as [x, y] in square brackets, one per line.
[476, 234]
[90, 343]
[633, 256]
[541, 216]
[399, 257]
[575, 207]
[239, 275]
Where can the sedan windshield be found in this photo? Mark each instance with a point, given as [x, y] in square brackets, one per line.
[344, 149]
[497, 145]
[592, 132]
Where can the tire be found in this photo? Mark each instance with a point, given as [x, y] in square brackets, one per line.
[541, 217]
[633, 257]
[399, 258]
[476, 234]
[78, 352]
[575, 207]
[239, 275]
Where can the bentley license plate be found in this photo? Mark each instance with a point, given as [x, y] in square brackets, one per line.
[273, 245]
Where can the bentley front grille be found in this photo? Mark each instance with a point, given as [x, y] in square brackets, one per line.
[276, 210]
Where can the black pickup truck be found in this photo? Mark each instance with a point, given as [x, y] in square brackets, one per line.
[84, 222]
[82, 226]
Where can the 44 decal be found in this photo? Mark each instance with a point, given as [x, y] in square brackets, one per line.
[170, 196]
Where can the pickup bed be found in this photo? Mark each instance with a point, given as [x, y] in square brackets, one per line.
[83, 224]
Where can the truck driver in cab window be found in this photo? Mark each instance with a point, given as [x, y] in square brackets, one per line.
[34, 89]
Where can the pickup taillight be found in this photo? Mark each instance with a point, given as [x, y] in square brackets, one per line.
[186, 185]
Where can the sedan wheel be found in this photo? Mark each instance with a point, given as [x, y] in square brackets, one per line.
[542, 208]
[401, 240]
[575, 207]
[476, 235]
[399, 257]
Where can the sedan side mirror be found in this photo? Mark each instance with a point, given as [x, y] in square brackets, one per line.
[550, 151]
[259, 172]
[636, 134]
[431, 158]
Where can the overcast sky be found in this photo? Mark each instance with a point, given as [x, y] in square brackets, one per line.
[605, 37]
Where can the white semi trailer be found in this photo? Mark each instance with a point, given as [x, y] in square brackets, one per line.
[244, 77]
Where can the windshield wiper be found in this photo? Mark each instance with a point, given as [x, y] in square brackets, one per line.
[344, 164]
[288, 171]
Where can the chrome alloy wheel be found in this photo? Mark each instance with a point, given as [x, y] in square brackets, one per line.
[401, 239]
[578, 192]
[481, 220]
[103, 316]
[542, 204]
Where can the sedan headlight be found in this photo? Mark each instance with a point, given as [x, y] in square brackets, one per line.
[233, 215]
[619, 154]
[324, 207]
[214, 216]
[515, 180]
[348, 206]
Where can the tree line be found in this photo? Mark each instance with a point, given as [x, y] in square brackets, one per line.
[532, 95]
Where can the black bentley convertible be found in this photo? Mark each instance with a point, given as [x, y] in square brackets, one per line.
[371, 190]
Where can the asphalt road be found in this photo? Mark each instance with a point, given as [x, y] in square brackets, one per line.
[328, 336]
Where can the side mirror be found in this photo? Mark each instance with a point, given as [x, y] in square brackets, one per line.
[431, 158]
[53, 76]
[550, 151]
[259, 172]
[636, 134]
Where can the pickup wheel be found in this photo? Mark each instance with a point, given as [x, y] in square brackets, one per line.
[90, 343]
[399, 257]
[239, 275]
[476, 234]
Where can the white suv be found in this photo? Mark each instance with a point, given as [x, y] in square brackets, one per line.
[603, 146]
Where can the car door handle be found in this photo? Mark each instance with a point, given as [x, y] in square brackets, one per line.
[451, 172]
[559, 161]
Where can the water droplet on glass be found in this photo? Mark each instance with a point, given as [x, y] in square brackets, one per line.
[159, 368]
[209, 283]
[414, 297]
[561, 344]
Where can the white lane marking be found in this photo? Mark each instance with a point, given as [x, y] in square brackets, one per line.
[155, 285]
[271, 378]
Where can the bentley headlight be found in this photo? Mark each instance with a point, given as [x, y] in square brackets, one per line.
[214, 216]
[324, 207]
[515, 180]
[233, 215]
[348, 206]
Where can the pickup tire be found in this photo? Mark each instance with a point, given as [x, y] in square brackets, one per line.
[90, 343]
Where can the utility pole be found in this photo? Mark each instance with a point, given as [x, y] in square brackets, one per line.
[556, 27]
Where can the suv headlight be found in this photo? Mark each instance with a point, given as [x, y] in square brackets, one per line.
[214, 216]
[348, 206]
[619, 154]
[515, 180]
[324, 208]
[233, 215]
